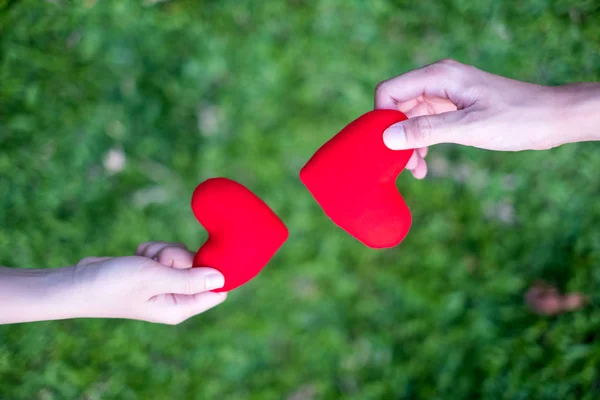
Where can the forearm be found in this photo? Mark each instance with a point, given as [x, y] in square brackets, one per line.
[580, 116]
[36, 294]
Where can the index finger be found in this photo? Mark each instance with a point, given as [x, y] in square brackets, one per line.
[175, 257]
[440, 79]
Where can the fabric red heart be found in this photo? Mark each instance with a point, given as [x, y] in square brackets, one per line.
[353, 178]
[243, 232]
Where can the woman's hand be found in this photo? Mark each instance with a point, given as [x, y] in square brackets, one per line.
[449, 102]
[156, 285]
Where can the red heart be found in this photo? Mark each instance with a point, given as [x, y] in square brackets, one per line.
[243, 232]
[353, 178]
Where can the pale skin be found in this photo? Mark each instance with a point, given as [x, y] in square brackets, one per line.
[450, 102]
[446, 102]
[158, 284]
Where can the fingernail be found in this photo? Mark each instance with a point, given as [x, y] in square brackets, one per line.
[214, 281]
[394, 137]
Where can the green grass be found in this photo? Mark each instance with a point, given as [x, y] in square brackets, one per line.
[249, 90]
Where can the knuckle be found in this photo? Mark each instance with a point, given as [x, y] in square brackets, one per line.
[154, 248]
[380, 87]
[449, 67]
[440, 69]
[435, 69]
[164, 259]
[142, 246]
[170, 255]
[450, 62]
[165, 256]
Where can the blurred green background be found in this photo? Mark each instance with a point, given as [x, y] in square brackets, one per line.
[113, 111]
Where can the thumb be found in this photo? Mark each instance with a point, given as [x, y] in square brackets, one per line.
[422, 131]
[190, 281]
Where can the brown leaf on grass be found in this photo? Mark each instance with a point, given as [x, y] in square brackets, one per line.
[544, 299]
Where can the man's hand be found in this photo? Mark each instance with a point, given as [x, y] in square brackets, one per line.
[449, 102]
